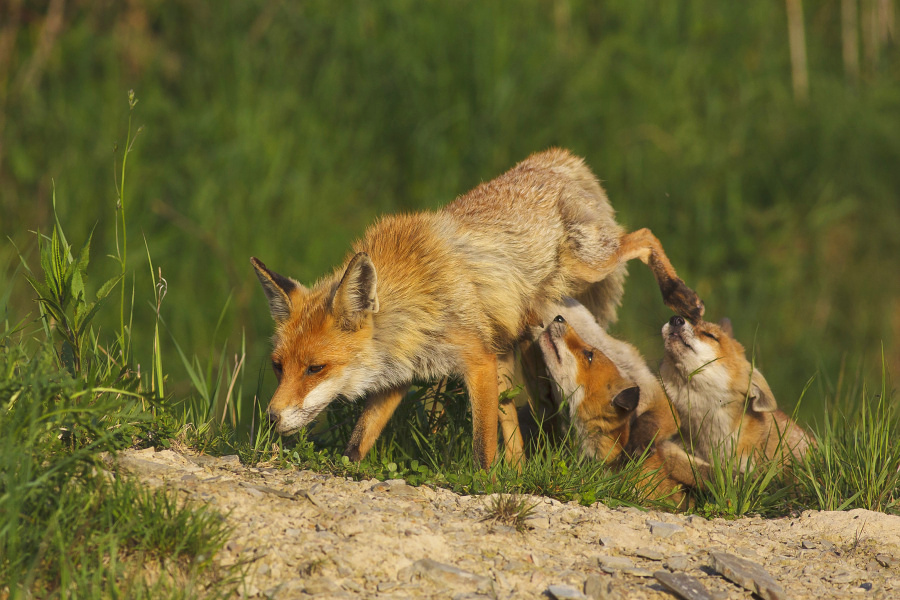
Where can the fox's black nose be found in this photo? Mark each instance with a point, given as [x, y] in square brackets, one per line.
[559, 319]
[273, 417]
[676, 321]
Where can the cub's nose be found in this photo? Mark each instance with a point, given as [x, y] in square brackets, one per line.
[676, 321]
[274, 417]
[559, 319]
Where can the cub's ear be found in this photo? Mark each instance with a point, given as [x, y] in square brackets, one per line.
[761, 397]
[628, 398]
[277, 288]
[726, 326]
[355, 297]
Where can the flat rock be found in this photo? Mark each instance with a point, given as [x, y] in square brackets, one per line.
[683, 585]
[449, 575]
[597, 587]
[649, 554]
[748, 574]
[611, 564]
[565, 592]
[664, 530]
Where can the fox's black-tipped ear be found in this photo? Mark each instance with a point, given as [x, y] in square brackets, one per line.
[761, 397]
[726, 326]
[355, 297]
[628, 398]
[277, 288]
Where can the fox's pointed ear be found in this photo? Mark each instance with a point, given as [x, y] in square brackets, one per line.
[277, 288]
[761, 397]
[628, 398]
[355, 297]
[726, 326]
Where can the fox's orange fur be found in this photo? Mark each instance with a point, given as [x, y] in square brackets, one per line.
[432, 294]
[615, 416]
[725, 404]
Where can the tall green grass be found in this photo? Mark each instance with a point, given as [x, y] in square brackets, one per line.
[68, 526]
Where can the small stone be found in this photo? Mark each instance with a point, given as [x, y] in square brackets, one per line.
[679, 562]
[607, 541]
[748, 575]
[809, 545]
[449, 575]
[597, 587]
[565, 592]
[664, 530]
[320, 586]
[885, 560]
[683, 585]
[537, 522]
[842, 577]
[611, 564]
[649, 554]
[386, 586]
[638, 572]
[232, 460]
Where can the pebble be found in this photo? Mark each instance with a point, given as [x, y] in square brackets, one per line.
[683, 585]
[664, 530]
[748, 575]
[611, 564]
[565, 592]
[597, 587]
[649, 554]
[678, 562]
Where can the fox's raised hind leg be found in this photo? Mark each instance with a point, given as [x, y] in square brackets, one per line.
[378, 410]
[642, 244]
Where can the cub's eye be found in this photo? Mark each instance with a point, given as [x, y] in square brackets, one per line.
[313, 369]
[709, 335]
[276, 366]
[588, 355]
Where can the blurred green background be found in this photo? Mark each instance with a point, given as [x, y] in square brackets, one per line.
[282, 129]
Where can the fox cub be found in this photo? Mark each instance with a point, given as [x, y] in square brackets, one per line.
[616, 404]
[724, 403]
[432, 294]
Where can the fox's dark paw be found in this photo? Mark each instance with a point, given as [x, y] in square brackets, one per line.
[683, 300]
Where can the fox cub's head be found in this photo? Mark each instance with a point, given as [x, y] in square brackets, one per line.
[601, 400]
[321, 337]
[706, 357]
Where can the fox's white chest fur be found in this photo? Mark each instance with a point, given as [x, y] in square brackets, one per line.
[698, 400]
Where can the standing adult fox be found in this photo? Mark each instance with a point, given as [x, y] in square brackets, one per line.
[433, 294]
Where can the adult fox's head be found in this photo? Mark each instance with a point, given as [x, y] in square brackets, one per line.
[322, 341]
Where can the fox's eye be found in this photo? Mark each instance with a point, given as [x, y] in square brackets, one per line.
[276, 366]
[589, 356]
[709, 335]
[313, 369]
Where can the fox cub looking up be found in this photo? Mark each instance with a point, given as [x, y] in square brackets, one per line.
[724, 403]
[616, 404]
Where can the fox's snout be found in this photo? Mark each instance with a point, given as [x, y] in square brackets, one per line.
[676, 322]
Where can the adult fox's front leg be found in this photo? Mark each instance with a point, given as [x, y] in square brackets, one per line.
[376, 414]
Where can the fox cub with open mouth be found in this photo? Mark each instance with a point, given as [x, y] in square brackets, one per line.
[616, 404]
[725, 405]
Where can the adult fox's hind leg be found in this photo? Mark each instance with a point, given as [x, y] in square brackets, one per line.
[642, 244]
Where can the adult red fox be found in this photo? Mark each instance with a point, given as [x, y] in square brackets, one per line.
[432, 294]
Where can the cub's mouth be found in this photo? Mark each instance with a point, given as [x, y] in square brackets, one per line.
[549, 340]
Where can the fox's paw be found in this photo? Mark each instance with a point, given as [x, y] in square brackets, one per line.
[683, 300]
